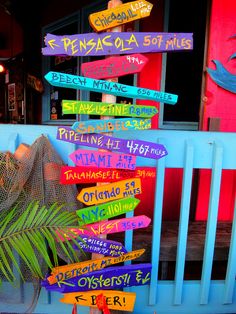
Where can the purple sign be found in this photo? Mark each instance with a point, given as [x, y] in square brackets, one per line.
[109, 278]
[133, 147]
[100, 246]
[93, 44]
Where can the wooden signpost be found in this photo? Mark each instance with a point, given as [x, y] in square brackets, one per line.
[108, 227]
[110, 192]
[101, 108]
[113, 43]
[114, 66]
[121, 14]
[92, 158]
[115, 300]
[104, 211]
[109, 278]
[74, 175]
[111, 125]
[99, 246]
[134, 147]
[65, 80]
[62, 273]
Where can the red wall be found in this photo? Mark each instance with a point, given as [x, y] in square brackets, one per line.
[220, 103]
[13, 34]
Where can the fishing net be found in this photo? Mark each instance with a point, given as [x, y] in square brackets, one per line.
[33, 176]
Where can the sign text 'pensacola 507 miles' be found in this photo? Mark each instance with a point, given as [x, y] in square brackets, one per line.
[107, 109]
[121, 14]
[105, 211]
[115, 300]
[93, 44]
[66, 272]
[114, 66]
[134, 147]
[99, 246]
[60, 79]
[92, 158]
[110, 278]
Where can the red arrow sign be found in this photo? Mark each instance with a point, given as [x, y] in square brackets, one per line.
[114, 66]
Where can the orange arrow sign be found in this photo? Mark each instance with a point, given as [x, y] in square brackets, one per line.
[115, 300]
[122, 14]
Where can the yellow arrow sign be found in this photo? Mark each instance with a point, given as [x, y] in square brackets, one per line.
[115, 300]
[52, 44]
[110, 192]
[65, 272]
[122, 14]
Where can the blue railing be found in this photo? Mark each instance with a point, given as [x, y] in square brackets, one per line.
[186, 150]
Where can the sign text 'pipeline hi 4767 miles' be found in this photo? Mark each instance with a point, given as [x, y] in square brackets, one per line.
[134, 147]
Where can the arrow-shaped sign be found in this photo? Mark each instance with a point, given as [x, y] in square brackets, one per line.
[113, 43]
[134, 147]
[66, 272]
[99, 246]
[110, 192]
[111, 125]
[93, 158]
[114, 66]
[106, 109]
[108, 227]
[84, 83]
[105, 211]
[119, 15]
[109, 278]
[115, 300]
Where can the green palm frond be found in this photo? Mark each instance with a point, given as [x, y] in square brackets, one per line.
[34, 234]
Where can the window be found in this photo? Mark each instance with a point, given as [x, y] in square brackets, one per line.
[182, 71]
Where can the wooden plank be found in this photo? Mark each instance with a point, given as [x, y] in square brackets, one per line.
[115, 300]
[114, 66]
[74, 175]
[108, 109]
[119, 15]
[93, 44]
[107, 227]
[65, 80]
[98, 159]
[99, 246]
[105, 211]
[61, 273]
[109, 192]
[111, 125]
[110, 278]
[134, 147]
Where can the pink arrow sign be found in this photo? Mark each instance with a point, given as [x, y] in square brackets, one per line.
[109, 227]
[92, 158]
[114, 66]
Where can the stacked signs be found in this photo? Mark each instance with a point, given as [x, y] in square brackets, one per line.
[91, 283]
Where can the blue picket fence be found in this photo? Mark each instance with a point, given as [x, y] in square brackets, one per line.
[187, 150]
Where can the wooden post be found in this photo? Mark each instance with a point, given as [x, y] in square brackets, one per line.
[108, 99]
